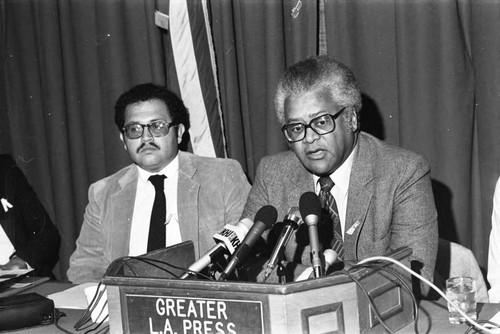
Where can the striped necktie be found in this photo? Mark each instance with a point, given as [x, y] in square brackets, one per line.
[329, 204]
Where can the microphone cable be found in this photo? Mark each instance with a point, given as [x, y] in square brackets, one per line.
[85, 322]
[473, 322]
[398, 278]
[370, 301]
[152, 262]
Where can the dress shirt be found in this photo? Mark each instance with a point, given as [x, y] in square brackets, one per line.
[143, 206]
[6, 247]
[494, 249]
[341, 179]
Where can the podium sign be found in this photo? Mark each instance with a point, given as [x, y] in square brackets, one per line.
[331, 304]
[171, 314]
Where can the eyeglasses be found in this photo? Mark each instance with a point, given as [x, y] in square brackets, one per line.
[156, 129]
[321, 125]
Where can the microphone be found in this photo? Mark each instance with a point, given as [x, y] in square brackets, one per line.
[291, 222]
[227, 241]
[310, 209]
[264, 219]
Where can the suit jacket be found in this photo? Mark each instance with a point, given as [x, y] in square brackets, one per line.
[27, 224]
[390, 202]
[211, 193]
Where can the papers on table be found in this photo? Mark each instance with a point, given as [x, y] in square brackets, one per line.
[9, 277]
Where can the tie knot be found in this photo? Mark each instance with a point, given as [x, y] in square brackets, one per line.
[157, 181]
[326, 183]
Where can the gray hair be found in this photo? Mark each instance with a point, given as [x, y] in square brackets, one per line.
[315, 73]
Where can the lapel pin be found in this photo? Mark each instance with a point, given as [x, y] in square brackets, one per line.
[353, 227]
[6, 205]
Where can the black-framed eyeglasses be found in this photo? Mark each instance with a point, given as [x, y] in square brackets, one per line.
[321, 125]
[156, 129]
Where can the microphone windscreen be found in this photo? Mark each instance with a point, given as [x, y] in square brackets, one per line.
[267, 215]
[309, 204]
[330, 256]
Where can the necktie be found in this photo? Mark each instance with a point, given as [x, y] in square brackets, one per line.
[328, 203]
[156, 237]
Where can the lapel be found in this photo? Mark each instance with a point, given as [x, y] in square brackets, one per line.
[299, 181]
[360, 195]
[121, 211]
[187, 199]
[302, 180]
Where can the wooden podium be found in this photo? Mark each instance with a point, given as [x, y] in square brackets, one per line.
[331, 304]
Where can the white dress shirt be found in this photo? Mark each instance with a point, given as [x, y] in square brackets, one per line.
[143, 206]
[6, 247]
[494, 249]
[340, 191]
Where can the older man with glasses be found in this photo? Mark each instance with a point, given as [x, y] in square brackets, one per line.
[375, 197]
[165, 197]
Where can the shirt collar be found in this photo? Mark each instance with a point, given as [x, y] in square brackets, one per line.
[169, 170]
[342, 175]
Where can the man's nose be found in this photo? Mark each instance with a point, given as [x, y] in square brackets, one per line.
[311, 136]
[146, 135]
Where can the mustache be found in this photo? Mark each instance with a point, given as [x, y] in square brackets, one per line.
[143, 145]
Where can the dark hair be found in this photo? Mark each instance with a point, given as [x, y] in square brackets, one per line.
[150, 91]
[315, 73]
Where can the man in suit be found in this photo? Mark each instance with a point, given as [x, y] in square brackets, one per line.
[382, 193]
[201, 194]
[33, 240]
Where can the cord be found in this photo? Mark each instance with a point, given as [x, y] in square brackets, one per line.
[85, 322]
[59, 315]
[152, 262]
[400, 279]
[486, 322]
[391, 272]
[384, 258]
[367, 294]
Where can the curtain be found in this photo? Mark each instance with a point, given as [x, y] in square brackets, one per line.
[255, 41]
[428, 70]
[64, 63]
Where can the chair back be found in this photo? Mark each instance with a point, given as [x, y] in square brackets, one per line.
[456, 260]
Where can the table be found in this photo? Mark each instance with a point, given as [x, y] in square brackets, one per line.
[433, 318]
[433, 315]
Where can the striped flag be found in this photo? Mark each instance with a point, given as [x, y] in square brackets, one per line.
[194, 58]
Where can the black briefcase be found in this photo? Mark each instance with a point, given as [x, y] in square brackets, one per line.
[25, 310]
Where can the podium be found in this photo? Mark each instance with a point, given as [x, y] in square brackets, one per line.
[330, 304]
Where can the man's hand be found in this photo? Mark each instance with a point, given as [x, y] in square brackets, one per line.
[15, 263]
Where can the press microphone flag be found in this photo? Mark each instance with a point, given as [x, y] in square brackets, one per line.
[264, 219]
[292, 221]
[310, 209]
[227, 241]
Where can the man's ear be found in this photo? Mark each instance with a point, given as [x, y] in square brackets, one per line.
[123, 141]
[180, 132]
[353, 120]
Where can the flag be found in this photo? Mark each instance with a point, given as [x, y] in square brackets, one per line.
[194, 58]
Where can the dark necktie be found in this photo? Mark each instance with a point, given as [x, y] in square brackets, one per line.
[328, 203]
[156, 238]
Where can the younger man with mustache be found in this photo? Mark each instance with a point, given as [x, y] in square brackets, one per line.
[201, 194]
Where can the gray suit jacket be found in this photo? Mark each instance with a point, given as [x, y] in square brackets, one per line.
[390, 202]
[211, 193]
